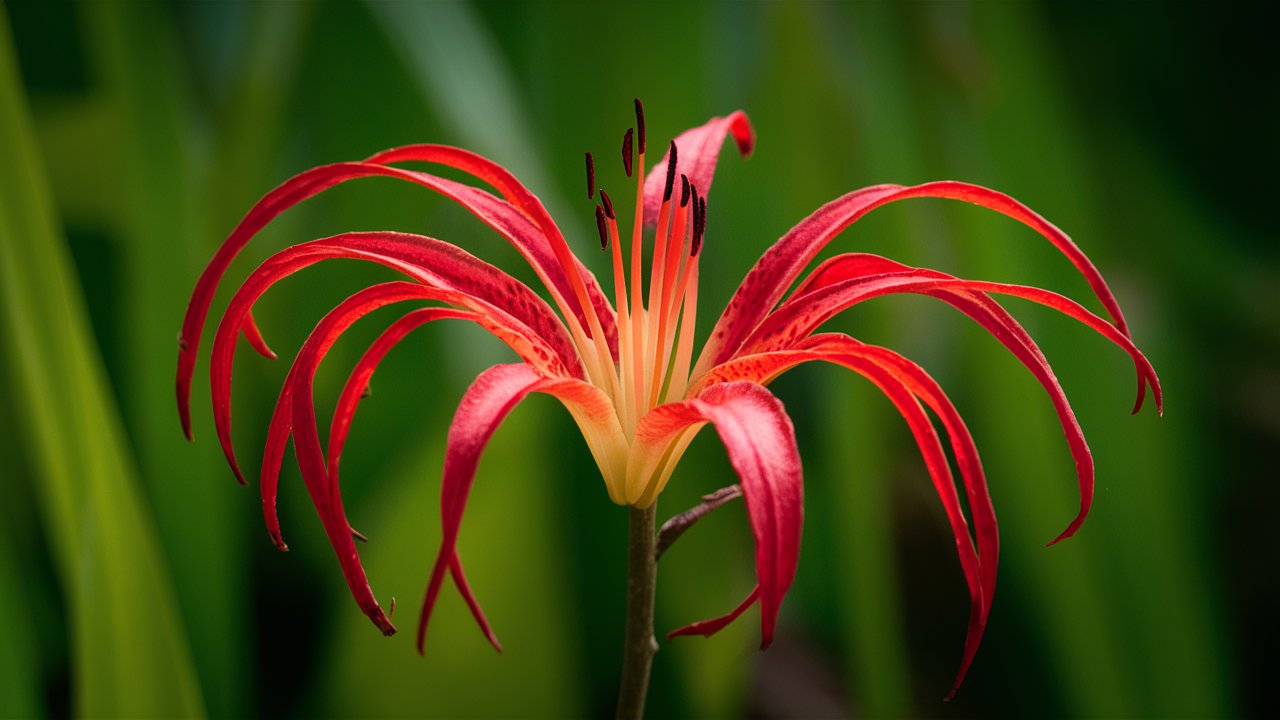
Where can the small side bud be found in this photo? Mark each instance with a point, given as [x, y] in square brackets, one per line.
[626, 150]
[684, 189]
[591, 177]
[672, 160]
[608, 204]
[640, 124]
[603, 227]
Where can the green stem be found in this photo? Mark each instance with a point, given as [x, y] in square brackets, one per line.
[640, 645]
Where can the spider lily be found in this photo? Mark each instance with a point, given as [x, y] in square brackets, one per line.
[624, 367]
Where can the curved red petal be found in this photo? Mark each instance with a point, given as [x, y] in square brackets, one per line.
[500, 215]
[483, 408]
[519, 196]
[707, 628]
[901, 382]
[1002, 326]
[256, 341]
[344, 412]
[758, 436]
[774, 272]
[409, 254]
[901, 386]
[698, 150]
[800, 316]
[306, 438]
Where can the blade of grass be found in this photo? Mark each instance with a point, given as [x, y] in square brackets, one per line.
[164, 231]
[142, 77]
[130, 656]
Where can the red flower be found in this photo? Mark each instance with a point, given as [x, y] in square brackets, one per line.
[625, 370]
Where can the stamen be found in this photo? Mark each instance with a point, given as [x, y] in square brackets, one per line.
[699, 225]
[608, 205]
[666, 268]
[640, 123]
[684, 189]
[591, 177]
[671, 173]
[626, 150]
[602, 226]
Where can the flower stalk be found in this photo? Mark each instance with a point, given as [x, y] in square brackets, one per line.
[639, 645]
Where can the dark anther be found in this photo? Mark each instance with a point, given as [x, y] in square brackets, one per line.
[671, 172]
[684, 190]
[608, 204]
[698, 207]
[626, 150]
[602, 226]
[640, 124]
[591, 177]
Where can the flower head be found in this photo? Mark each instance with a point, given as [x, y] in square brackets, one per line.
[625, 369]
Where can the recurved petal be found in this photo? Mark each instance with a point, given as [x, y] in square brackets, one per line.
[900, 379]
[760, 441]
[707, 628]
[901, 382]
[1003, 327]
[519, 196]
[325, 495]
[432, 263]
[800, 316]
[483, 408]
[697, 150]
[511, 223]
[779, 267]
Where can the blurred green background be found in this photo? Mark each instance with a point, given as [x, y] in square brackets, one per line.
[136, 578]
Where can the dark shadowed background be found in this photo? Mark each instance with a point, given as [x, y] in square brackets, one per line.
[136, 577]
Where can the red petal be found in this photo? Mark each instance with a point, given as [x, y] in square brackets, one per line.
[484, 406]
[900, 380]
[254, 336]
[444, 267]
[344, 412]
[761, 444]
[774, 272]
[514, 192]
[800, 316]
[698, 149]
[306, 439]
[498, 214]
[326, 332]
[707, 628]
[997, 321]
